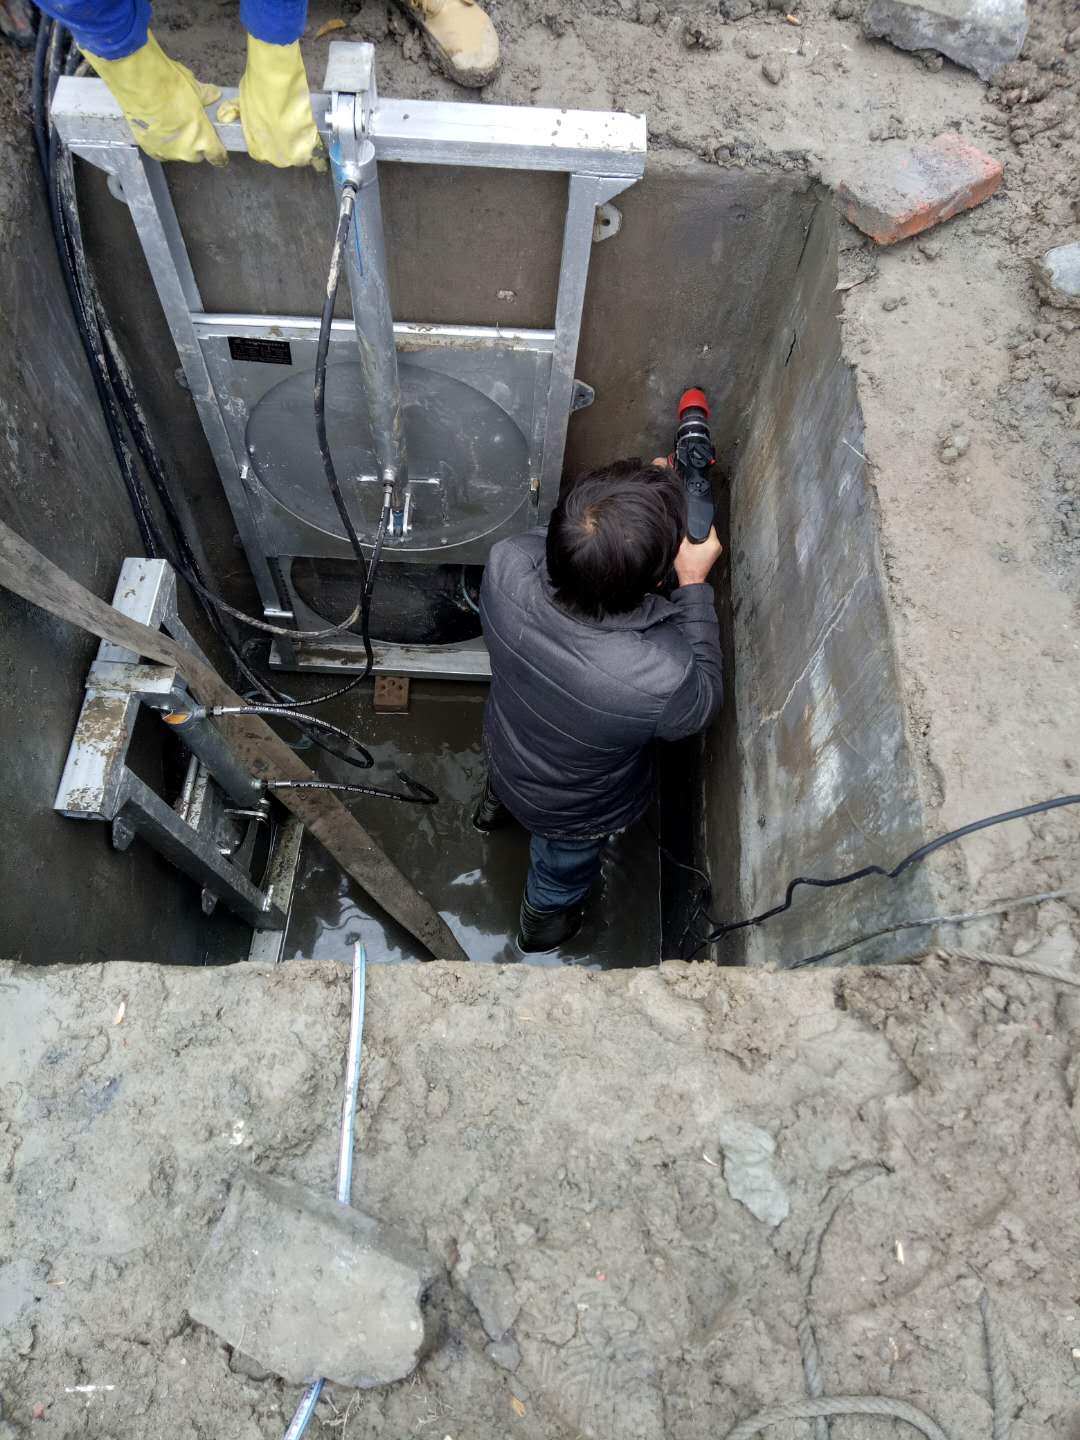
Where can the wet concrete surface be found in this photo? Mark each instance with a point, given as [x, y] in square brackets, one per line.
[474, 880]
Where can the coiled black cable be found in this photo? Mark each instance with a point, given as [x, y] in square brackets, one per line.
[89, 335]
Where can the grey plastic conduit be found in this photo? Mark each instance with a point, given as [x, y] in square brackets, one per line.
[310, 1398]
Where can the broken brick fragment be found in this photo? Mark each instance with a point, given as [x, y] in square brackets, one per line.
[899, 190]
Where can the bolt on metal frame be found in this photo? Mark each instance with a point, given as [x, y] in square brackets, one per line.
[602, 153]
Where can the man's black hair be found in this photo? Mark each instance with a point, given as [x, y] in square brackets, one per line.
[613, 537]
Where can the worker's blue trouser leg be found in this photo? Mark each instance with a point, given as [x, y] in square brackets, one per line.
[561, 872]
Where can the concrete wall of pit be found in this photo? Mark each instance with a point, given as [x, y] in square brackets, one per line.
[710, 274]
[816, 736]
[65, 894]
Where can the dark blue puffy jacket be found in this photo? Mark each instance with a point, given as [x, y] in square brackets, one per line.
[575, 703]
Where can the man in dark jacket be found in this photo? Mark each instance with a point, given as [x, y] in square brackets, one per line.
[589, 664]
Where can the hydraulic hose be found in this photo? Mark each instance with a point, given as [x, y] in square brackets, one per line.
[421, 795]
[37, 94]
[91, 342]
[345, 214]
[283, 712]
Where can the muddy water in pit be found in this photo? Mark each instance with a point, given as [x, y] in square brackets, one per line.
[474, 880]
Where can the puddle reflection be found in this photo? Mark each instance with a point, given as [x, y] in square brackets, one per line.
[474, 880]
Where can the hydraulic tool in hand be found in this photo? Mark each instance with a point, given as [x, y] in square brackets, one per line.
[694, 457]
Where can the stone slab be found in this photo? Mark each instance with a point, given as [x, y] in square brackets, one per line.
[981, 35]
[1057, 276]
[308, 1287]
[749, 1172]
[891, 192]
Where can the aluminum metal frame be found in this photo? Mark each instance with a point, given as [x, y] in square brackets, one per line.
[96, 783]
[602, 152]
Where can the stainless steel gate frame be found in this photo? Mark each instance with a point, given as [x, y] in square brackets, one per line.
[531, 371]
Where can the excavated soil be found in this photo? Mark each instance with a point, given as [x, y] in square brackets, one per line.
[565, 1146]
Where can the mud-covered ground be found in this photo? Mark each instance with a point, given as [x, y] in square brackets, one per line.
[563, 1144]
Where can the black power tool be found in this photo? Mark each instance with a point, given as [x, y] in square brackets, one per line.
[694, 459]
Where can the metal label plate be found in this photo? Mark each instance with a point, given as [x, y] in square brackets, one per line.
[265, 352]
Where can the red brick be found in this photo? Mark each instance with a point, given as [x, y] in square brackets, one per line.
[896, 191]
[391, 694]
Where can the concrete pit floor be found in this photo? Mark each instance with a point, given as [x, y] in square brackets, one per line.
[474, 881]
[567, 1147]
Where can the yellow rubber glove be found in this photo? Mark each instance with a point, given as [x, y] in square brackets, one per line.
[275, 107]
[163, 103]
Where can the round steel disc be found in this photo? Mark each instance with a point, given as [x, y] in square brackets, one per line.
[468, 460]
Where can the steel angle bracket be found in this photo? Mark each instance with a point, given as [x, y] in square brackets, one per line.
[98, 785]
[602, 153]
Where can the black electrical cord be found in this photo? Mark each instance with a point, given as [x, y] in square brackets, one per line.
[915, 857]
[1000, 908]
[703, 898]
[88, 334]
[37, 93]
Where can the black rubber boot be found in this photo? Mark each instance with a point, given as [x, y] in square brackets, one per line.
[491, 813]
[540, 931]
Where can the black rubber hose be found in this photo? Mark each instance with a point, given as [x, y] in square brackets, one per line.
[914, 858]
[47, 54]
[345, 214]
[421, 794]
[37, 92]
[284, 712]
[365, 621]
[333, 279]
[91, 344]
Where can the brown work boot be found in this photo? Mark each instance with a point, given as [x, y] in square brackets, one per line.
[461, 37]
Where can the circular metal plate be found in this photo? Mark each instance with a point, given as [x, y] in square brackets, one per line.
[468, 460]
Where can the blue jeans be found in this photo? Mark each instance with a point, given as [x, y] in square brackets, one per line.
[561, 872]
